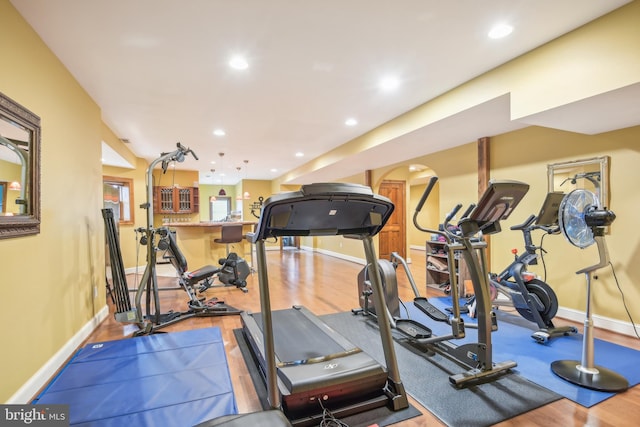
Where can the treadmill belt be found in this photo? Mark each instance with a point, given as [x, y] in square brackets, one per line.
[297, 338]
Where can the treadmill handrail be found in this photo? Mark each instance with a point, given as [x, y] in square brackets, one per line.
[323, 209]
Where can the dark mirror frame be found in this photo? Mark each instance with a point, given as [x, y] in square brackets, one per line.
[28, 224]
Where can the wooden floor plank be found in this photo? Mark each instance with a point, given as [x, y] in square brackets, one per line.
[326, 284]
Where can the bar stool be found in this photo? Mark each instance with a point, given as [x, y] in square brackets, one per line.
[230, 233]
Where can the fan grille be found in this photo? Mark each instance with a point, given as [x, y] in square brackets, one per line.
[571, 217]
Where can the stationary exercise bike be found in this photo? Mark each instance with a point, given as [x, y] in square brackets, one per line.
[532, 298]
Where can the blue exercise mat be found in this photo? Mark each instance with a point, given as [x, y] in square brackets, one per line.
[512, 341]
[177, 378]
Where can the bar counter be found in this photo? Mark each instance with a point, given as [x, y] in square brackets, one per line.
[195, 239]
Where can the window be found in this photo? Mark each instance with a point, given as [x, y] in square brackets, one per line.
[118, 195]
[219, 208]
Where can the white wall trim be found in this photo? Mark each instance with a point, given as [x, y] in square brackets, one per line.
[357, 260]
[422, 248]
[606, 323]
[360, 261]
[44, 374]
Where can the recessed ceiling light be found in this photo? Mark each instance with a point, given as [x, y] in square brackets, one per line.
[219, 132]
[351, 122]
[389, 83]
[500, 31]
[299, 154]
[238, 63]
[274, 170]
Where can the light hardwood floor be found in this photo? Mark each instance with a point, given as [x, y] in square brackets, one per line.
[326, 285]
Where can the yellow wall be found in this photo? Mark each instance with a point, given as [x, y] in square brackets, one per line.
[256, 188]
[48, 280]
[524, 155]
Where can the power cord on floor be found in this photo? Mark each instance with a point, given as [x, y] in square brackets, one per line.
[328, 419]
[624, 302]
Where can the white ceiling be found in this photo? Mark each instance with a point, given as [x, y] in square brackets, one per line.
[159, 71]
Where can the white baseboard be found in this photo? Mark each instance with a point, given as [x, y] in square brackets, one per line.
[357, 260]
[606, 323]
[44, 374]
[422, 248]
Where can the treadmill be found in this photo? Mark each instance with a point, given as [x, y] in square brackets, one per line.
[308, 366]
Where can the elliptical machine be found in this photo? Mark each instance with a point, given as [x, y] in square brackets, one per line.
[496, 204]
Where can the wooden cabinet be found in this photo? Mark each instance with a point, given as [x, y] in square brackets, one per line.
[437, 262]
[176, 200]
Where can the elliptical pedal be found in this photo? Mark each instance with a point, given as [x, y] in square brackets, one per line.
[430, 310]
[413, 329]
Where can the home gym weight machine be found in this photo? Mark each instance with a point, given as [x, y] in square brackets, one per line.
[496, 204]
[160, 239]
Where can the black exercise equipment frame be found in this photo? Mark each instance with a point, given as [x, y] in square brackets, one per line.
[533, 298]
[496, 204]
[156, 239]
[325, 209]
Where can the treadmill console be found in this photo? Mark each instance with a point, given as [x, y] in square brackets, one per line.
[324, 209]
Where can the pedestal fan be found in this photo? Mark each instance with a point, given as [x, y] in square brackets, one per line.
[583, 222]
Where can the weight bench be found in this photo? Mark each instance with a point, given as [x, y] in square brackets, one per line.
[188, 280]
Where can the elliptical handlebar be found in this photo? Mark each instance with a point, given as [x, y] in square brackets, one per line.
[451, 214]
[468, 211]
[445, 232]
[427, 191]
[423, 199]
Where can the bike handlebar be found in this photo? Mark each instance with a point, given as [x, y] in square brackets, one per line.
[525, 224]
[528, 226]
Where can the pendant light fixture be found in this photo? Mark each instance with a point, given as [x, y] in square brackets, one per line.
[238, 196]
[246, 194]
[212, 198]
[221, 192]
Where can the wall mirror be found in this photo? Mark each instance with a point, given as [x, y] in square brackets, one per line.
[589, 174]
[19, 170]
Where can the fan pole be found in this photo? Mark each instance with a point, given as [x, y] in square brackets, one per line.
[585, 373]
